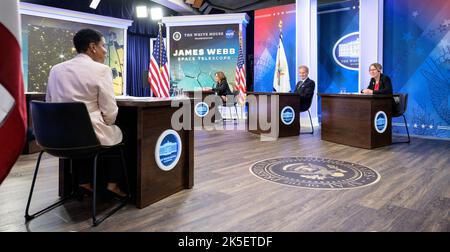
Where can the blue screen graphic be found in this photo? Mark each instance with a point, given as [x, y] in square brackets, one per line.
[335, 22]
[416, 56]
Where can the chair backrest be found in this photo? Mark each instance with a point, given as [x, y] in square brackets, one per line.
[305, 103]
[400, 104]
[232, 99]
[63, 126]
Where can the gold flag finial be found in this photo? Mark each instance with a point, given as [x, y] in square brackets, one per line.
[240, 37]
[280, 25]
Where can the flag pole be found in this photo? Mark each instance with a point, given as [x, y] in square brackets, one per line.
[280, 26]
[160, 46]
[240, 48]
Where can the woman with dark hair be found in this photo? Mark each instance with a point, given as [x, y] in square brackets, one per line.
[86, 79]
[379, 83]
[222, 89]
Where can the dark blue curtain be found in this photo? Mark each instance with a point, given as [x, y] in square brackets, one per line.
[138, 58]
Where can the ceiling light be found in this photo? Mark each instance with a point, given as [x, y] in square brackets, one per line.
[94, 4]
[141, 11]
[156, 13]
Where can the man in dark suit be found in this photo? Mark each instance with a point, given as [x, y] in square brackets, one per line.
[305, 87]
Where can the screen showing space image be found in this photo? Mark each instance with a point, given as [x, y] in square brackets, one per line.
[47, 42]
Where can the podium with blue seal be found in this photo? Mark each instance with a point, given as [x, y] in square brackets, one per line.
[357, 120]
[280, 110]
[159, 158]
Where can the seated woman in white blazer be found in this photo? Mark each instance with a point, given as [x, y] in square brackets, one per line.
[86, 79]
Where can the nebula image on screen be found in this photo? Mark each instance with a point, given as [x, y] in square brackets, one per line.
[47, 42]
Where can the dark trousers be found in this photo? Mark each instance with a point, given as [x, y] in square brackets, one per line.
[107, 165]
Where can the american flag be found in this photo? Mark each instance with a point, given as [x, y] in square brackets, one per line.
[240, 76]
[158, 75]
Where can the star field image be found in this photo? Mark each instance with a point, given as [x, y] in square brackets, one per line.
[47, 42]
[47, 47]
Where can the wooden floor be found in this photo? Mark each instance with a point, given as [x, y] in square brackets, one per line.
[412, 195]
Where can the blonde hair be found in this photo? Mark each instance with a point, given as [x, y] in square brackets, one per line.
[377, 66]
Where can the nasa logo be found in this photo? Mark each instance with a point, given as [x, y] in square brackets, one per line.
[168, 150]
[380, 122]
[346, 51]
[287, 115]
[229, 34]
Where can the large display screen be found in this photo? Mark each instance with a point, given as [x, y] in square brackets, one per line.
[47, 42]
[198, 52]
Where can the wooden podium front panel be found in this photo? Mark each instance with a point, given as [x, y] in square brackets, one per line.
[142, 123]
[153, 183]
[346, 121]
[254, 111]
[385, 138]
[292, 129]
[349, 119]
[142, 126]
[284, 99]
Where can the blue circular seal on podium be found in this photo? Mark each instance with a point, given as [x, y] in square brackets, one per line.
[201, 109]
[380, 122]
[168, 150]
[287, 115]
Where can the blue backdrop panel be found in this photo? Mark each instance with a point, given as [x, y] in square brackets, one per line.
[417, 58]
[267, 34]
[334, 22]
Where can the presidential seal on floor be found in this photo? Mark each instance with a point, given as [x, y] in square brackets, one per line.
[315, 172]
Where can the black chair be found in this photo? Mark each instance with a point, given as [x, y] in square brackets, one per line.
[231, 102]
[305, 105]
[30, 135]
[64, 130]
[399, 109]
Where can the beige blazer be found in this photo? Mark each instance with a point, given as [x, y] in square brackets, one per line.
[82, 79]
